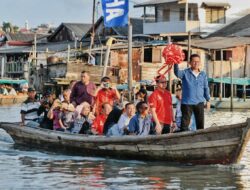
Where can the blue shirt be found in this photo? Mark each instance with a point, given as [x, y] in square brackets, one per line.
[194, 89]
[140, 126]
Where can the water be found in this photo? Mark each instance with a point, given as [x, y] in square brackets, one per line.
[28, 169]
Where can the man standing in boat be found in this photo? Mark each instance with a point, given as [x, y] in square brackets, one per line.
[83, 90]
[160, 102]
[195, 92]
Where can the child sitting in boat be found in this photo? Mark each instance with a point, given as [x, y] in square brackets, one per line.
[141, 124]
[66, 116]
[84, 120]
[53, 114]
[98, 124]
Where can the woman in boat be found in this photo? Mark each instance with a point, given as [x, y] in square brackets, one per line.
[141, 124]
[84, 120]
[66, 116]
[105, 93]
[98, 124]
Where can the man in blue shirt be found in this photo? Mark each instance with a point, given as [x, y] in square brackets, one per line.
[195, 92]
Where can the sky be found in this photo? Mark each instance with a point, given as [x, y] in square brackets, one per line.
[54, 12]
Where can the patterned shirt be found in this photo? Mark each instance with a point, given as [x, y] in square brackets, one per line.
[30, 108]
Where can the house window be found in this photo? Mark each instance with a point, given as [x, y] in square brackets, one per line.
[166, 15]
[182, 14]
[192, 14]
[148, 55]
[227, 54]
[152, 55]
[215, 15]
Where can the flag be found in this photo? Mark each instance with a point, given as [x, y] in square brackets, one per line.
[115, 12]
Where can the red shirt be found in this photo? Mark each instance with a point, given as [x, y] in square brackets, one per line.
[162, 102]
[98, 123]
[105, 96]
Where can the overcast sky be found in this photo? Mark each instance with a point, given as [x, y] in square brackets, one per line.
[57, 11]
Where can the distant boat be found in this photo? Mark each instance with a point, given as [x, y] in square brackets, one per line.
[225, 103]
[12, 99]
[214, 145]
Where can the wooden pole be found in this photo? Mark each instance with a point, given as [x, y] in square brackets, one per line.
[244, 93]
[106, 60]
[170, 72]
[189, 47]
[221, 86]
[232, 87]
[93, 26]
[130, 59]
[68, 55]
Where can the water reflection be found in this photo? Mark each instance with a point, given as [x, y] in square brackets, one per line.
[25, 170]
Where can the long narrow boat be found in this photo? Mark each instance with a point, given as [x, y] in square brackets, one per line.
[12, 99]
[214, 145]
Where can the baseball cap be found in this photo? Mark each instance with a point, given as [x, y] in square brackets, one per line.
[31, 89]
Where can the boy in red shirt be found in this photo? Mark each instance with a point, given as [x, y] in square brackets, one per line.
[98, 124]
[160, 102]
[105, 94]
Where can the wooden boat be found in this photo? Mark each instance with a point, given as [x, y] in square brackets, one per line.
[225, 103]
[214, 145]
[11, 99]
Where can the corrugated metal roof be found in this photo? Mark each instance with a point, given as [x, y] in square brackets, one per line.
[240, 27]
[78, 28]
[218, 42]
[154, 2]
[137, 27]
[215, 4]
[23, 37]
[52, 47]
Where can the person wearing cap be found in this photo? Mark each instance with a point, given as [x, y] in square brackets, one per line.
[29, 110]
[46, 104]
[160, 102]
[195, 92]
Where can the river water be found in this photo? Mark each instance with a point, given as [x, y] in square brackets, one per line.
[28, 169]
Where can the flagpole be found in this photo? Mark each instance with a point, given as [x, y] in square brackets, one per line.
[130, 53]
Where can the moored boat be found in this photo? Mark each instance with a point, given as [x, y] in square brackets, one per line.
[12, 99]
[214, 145]
[18, 97]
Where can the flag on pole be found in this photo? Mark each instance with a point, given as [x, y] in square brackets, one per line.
[115, 12]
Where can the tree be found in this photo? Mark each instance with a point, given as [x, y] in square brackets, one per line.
[8, 27]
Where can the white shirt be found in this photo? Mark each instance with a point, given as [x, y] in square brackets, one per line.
[123, 122]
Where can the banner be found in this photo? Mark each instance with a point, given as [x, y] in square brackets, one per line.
[115, 12]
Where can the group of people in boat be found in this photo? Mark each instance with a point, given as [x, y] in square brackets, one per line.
[6, 89]
[87, 109]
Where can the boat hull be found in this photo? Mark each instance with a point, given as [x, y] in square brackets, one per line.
[10, 100]
[215, 145]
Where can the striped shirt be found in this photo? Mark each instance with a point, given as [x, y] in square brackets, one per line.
[29, 108]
